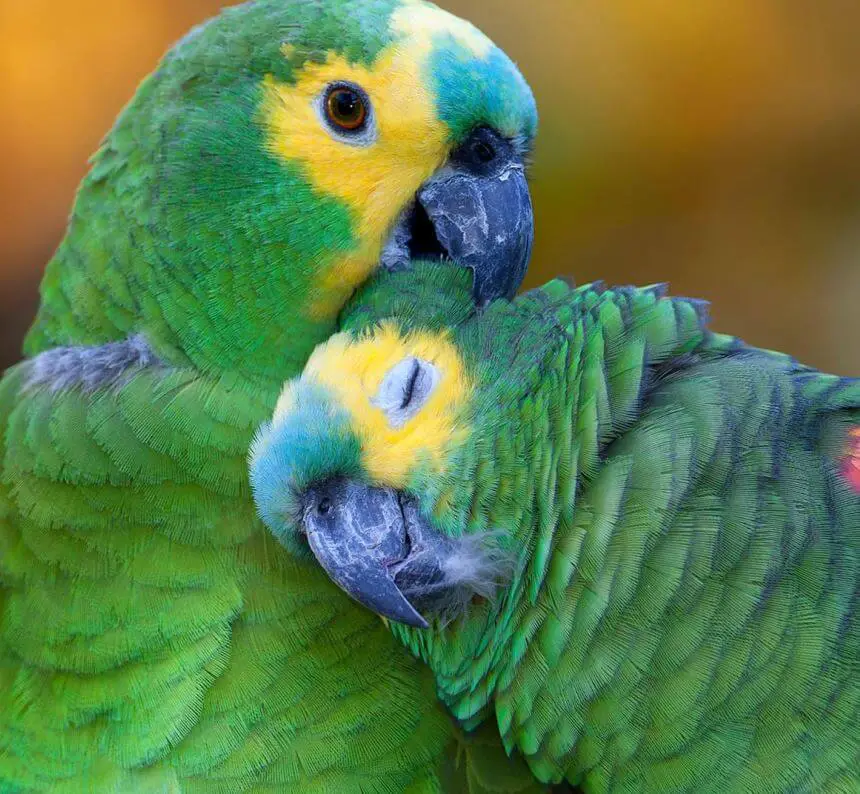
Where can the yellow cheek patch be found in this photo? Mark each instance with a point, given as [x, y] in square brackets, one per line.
[376, 181]
[353, 370]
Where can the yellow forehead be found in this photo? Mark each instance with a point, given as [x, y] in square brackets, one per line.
[353, 370]
[421, 22]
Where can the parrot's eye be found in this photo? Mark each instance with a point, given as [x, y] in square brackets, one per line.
[346, 108]
[409, 384]
[405, 389]
[324, 506]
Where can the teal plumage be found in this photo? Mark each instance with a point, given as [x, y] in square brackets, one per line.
[682, 609]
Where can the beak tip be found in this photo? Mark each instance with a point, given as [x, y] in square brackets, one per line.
[366, 581]
[419, 623]
[396, 607]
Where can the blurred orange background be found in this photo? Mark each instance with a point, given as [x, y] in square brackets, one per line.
[713, 144]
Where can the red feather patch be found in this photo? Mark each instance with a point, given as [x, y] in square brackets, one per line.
[851, 461]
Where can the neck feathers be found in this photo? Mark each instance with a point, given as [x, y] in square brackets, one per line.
[583, 386]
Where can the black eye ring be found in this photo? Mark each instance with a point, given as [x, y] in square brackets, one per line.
[346, 108]
[324, 506]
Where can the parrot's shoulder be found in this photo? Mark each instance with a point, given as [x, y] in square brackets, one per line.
[115, 414]
[560, 331]
[10, 387]
[89, 368]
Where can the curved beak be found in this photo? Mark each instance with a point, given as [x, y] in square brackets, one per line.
[358, 535]
[476, 211]
[375, 545]
[485, 223]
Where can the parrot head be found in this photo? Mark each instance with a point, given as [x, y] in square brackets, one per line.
[280, 154]
[381, 461]
[422, 457]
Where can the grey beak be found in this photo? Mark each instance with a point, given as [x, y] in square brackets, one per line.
[476, 212]
[358, 534]
[485, 222]
[376, 545]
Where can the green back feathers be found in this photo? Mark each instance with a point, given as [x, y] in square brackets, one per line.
[682, 611]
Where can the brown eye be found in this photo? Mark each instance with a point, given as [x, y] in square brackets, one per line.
[346, 108]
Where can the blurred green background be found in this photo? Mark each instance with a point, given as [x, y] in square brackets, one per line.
[714, 144]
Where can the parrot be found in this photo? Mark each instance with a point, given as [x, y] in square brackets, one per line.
[627, 542]
[153, 636]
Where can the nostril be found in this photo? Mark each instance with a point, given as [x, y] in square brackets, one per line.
[483, 151]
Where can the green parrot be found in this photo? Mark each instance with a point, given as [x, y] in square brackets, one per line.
[630, 543]
[153, 636]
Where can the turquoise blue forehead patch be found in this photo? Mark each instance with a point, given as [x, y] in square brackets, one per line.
[313, 443]
[471, 90]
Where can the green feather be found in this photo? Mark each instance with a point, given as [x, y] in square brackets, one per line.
[153, 635]
[682, 614]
